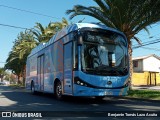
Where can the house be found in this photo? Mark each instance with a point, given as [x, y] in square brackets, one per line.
[146, 70]
[146, 63]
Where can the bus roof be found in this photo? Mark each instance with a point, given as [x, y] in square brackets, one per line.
[67, 30]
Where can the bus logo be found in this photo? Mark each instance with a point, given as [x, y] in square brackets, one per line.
[109, 82]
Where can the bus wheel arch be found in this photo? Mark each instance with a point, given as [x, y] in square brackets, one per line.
[32, 87]
[58, 89]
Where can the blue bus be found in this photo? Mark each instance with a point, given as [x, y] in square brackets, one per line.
[83, 59]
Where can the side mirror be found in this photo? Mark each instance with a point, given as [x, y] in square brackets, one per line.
[80, 40]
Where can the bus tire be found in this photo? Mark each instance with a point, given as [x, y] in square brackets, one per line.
[58, 91]
[99, 98]
[33, 88]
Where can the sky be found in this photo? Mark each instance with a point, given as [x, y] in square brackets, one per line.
[56, 9]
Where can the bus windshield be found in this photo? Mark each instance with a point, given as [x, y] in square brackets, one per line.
[104, 53]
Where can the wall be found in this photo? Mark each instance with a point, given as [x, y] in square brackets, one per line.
[145, 78]
[151, 64]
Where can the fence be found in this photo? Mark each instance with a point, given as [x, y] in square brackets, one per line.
[146, 78]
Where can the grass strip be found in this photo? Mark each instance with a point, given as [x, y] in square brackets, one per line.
[145, 94]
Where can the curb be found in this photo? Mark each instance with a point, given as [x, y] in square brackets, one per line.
[139, 99]
[16, 87]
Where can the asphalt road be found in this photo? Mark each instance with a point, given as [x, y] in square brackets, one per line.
[21, 100]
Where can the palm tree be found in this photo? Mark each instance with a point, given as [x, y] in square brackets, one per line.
[28, 40]
[40, 33]
[25, 44]
[128, 16]
[17, 57]
[44, 34]
[57, 26]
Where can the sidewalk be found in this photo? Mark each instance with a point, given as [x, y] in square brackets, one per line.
[147, 87]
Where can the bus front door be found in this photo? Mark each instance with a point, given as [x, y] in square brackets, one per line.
[68, 68]
[41, 72]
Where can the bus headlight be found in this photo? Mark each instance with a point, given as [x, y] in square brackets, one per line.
[79, 82]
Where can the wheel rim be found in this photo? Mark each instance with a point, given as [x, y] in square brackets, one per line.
[59, 90]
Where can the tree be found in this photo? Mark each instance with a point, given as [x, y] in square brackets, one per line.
[2, 72]
[57, 26]
[128, 16]
[17, 57]
[28, 40]
[14, 63]
[24, 44]
[44, 34]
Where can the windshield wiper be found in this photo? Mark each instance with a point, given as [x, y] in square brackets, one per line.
[120, 71]
[106, 70]
[93, 71]
[102, 67]
[112, 70]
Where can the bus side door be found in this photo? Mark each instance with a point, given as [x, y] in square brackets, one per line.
[41, 72]
[68, 68]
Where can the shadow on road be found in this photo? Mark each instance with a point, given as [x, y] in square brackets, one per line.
[22, 100]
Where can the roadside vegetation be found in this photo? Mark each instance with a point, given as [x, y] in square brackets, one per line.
[16, 85]
[145, 94]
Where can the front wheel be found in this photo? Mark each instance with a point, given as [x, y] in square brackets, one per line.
[58, 91]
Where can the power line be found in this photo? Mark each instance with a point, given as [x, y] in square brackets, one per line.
[155, 25]
[153, 36]
[149, 48]
[14, 26]
[152, 27]
[29, 11]
[146, 43]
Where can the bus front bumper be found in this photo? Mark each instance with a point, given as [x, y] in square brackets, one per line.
[86, 91]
